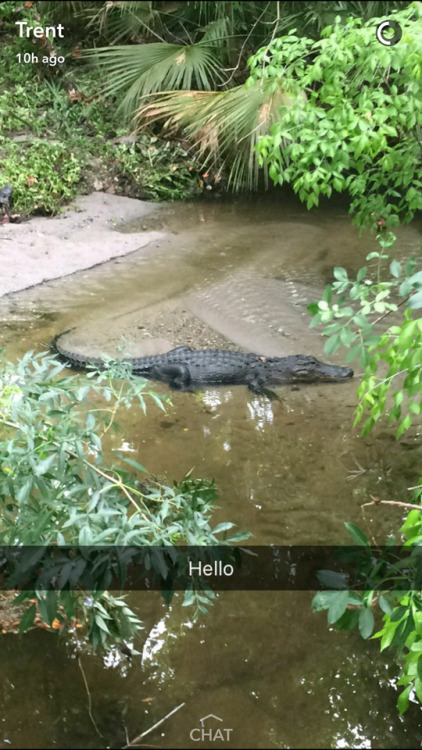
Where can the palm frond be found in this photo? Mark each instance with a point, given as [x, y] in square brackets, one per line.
[125, 20]
[144, 69]
[223, 126]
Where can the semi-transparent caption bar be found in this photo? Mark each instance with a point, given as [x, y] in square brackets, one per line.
[222, 568]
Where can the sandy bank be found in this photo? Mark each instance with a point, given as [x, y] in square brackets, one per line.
[85, 235]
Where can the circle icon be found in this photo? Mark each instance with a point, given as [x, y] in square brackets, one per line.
[389, 33]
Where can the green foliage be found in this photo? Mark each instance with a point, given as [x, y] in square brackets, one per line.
[57, 489]
[351, 323]
[401, 609]
[402, 624]
[205, 46]
[43, 176]
[158, 170]
[351, 318]
[351, 134]
[51, 138]
[8, 10]
[357, 131]
[229, 24]
[401, 348]
[191, 44]
[45, 173]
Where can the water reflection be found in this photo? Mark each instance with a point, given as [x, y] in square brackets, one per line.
[261, 411]
[155, 641]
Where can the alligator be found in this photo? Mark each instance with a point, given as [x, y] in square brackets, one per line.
[186, 369]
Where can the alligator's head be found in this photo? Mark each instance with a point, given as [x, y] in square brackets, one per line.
[303, 369]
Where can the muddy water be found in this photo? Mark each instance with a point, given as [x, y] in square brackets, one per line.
[291, 471]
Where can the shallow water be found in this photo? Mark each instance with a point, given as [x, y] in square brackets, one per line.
[290, 471]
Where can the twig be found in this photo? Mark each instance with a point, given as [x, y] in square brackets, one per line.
[89, 699]
[377, 501]
[390, 378]
[236, 67]
[276, 22]
[141, 736]
[388, 312]
[113, 412]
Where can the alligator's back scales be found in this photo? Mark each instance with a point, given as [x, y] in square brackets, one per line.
[186, 369]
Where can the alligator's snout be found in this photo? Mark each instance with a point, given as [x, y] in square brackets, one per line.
[333, 372]
[312, 370]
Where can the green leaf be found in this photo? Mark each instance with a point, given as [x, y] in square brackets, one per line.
[223, 527]
[405, 288]
[340, 273]
[322, 600]
[101, 623]
[405, 424]
[385, 605]
[395, 269]
[347, 336]
[418, 688]
[22, 496]
[359, 537]
[354, 351]
[90, 422]
[403, 700]
[366, 622]
[189, 598]
[338, 605]
[333, 328]
[27, 619]
[81, 393]
[47, 605]
[332, 344]
[348, 620]
[415, 301]
[407, 333]
[332, 579]
[133, 463]
[43, 466]
[240, 536]
[416, 278]
[361, 274]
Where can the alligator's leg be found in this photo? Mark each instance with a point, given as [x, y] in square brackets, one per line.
[176, 375]
[257, 386]
[261, 391]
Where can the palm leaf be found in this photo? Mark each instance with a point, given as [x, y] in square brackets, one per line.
[125, 20]
[144, 69]
[223, 126]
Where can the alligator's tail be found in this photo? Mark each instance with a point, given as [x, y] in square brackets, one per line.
[53, 343]
[75, 360]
